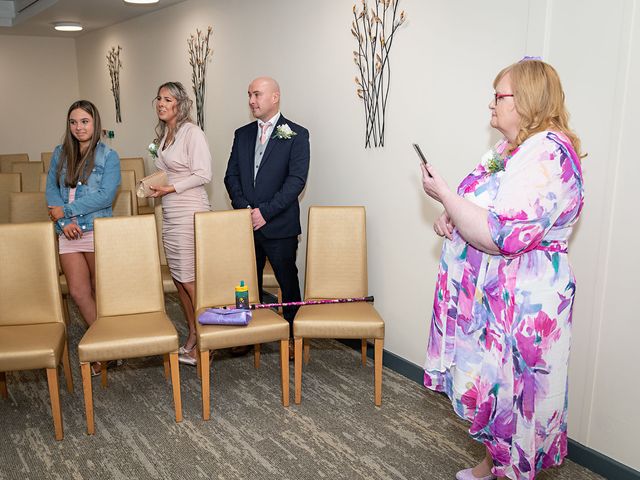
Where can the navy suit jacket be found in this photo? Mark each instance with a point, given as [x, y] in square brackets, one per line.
[280, 179]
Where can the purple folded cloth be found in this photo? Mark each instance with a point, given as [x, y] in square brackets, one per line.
[224, 316]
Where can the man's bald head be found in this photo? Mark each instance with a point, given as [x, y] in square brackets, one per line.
[264, 98]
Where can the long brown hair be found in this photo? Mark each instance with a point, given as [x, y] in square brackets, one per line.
[539, 100]
[79, 164]
[184, 104]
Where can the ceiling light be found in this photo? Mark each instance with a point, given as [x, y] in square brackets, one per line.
[141, 2]
[67, 26]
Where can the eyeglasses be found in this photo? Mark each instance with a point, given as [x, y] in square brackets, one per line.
[500, 96]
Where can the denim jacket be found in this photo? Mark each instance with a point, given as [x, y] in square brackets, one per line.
[94, 198]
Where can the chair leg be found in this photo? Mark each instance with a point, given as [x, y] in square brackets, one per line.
[67, 367]
[175, 384]
[378, 343]
[4, 393]
[284, 369]
[204, 380]
[103, 374]
[85, 369]
[307, 351]
[279, 295]
[363, 348]
[167, 369]
[256, 355]
[54, 393]
[297, 371]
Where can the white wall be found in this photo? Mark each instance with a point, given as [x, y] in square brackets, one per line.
[444, 60]
[39, 81]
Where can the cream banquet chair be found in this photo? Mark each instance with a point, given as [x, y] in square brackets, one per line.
[131, 320]
[128, 183]
[43, 182]
[26, 207]
[122, 206]
[30, 172]
[336, 267]
[32, 330]
[167, 282]
[225, 255]
[7, 160]
[45, 158]
[270, 283]
[9, 182]
[137, 165]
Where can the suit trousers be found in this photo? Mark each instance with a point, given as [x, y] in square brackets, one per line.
[281, 252]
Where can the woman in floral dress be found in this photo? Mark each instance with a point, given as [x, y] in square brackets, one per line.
[501, 327]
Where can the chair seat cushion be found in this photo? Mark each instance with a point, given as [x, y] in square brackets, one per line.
[128, 336]
[338, 320]
[265, 326]
[26, 347]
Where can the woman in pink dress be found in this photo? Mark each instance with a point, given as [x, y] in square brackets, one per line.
[81, 184]
[501, 325]
[183, 153]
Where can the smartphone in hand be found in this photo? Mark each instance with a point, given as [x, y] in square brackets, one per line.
[421, 155]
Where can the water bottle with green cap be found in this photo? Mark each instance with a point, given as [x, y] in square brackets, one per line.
[242, 296]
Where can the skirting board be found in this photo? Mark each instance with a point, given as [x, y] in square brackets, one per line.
[584, 456]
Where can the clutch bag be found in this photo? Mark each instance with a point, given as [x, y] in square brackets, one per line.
[156, 179]
[223, 316]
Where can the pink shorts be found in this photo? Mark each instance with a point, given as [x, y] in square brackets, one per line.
[83, 244]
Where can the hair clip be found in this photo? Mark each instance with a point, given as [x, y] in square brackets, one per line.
[528, 58]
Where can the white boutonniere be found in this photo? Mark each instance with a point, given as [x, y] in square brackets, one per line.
[153, 149]
[284, 132]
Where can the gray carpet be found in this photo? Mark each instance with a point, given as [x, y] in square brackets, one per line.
[336, 432]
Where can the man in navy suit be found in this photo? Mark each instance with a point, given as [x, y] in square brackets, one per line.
[267, 171]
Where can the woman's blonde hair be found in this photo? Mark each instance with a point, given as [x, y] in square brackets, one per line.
[539, 100]
[184, 104]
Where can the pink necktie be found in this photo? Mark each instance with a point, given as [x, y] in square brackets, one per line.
[263, 136]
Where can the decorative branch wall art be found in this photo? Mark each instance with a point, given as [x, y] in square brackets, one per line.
[114, 64]
[374, 29]
[199, 52]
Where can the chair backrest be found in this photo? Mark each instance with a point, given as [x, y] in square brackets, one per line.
[122, 206]
[137, 165]
[7, 160]
[128, 278]
[27, 207]
[224, 255]
[30, 172]
[45, 157]
[158, 214]
[128, 183]
[43, 182]
[29, 287]
[336, 253]
[9, 182]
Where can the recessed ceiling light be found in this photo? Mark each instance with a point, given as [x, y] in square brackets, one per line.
[141, 2]
[67, 26]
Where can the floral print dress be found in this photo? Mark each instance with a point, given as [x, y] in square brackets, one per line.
[501, 326]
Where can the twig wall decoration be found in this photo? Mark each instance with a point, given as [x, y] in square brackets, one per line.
[114, 64]
[199, 52]
[374, 29]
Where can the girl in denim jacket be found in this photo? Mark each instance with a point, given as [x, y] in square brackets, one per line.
[81, 184]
